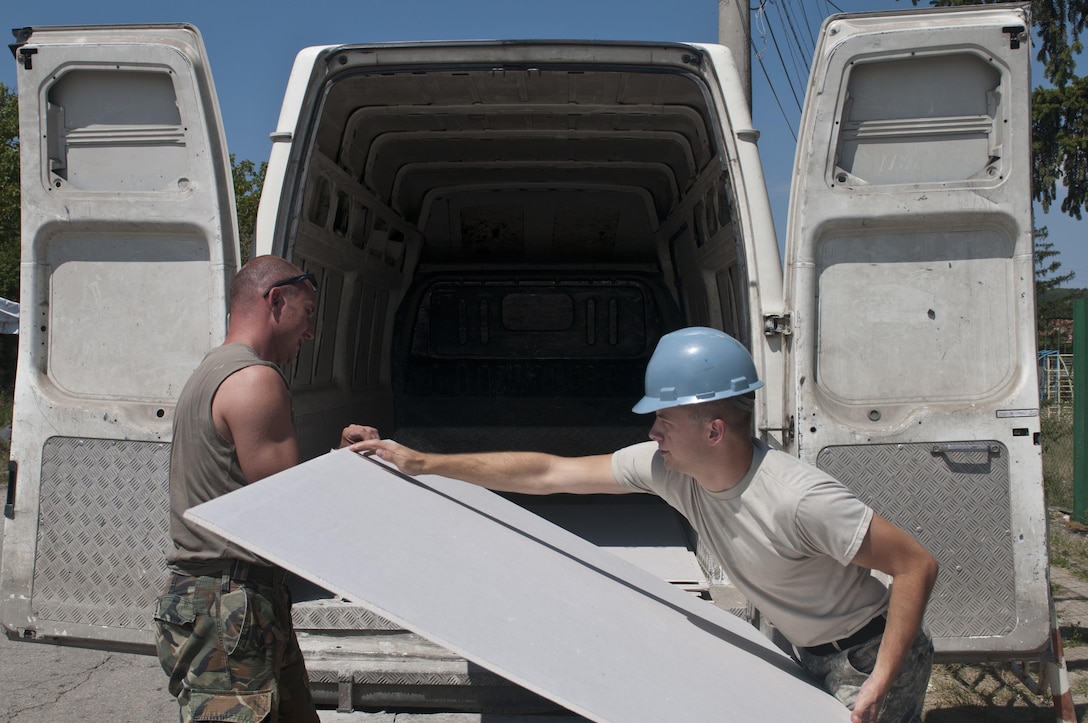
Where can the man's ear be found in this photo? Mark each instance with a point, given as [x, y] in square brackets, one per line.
[276, 300]
[715, 431]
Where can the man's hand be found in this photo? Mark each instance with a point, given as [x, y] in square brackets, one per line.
[407, 460]
[357, 433]
[913, 570]
[868, 704]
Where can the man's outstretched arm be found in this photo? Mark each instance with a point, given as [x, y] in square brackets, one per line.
[532, 473]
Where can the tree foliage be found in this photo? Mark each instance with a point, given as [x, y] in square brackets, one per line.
[1053, 299]
[1060, 111]
[248, 182]
[9, 194]
[1048, 278]
[10, 210]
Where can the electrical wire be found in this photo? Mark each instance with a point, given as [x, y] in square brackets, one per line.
[799, 52]
[785, 69]
[759, 21]
[793, 37]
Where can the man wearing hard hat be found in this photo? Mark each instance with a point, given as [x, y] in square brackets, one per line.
[796, 542]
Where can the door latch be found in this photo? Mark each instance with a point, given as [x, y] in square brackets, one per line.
[787, 432]
[777, 324]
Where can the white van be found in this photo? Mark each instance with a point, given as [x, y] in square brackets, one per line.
[501, 232]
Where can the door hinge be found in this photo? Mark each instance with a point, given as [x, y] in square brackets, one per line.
[22, 36]
[1016, 35]
[777, 324]
[26, 56]
[787, 432]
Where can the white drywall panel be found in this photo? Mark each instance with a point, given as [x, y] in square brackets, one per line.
[515, 594]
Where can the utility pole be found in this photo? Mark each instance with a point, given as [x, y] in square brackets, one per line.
[734, 32]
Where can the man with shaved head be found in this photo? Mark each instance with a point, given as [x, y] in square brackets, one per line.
[223, 623]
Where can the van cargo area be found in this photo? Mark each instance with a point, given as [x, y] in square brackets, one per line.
[499, 245]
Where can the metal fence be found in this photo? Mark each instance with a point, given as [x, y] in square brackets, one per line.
[1056, 378]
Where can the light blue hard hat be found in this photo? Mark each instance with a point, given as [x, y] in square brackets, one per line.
[694, 365]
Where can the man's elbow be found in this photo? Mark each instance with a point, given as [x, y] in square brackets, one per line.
[929, 568]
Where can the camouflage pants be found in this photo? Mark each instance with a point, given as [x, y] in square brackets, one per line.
[842, 675]
[230, 650]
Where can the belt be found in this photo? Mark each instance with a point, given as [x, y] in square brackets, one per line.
[873, 628]
[238, 571]
[262, 574]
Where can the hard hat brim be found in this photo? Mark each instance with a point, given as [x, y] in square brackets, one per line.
[649, 404]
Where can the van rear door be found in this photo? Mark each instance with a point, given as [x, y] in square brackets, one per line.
[909, 264]
[128, 247]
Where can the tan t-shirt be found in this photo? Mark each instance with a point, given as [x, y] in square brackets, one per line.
[785, 535]
[203, 465]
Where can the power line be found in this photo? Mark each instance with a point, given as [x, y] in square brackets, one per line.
[759, 19]
[807, 24]
[785, 69]
[799, 53]
[786, 39]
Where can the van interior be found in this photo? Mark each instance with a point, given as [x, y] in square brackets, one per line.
[499, 247]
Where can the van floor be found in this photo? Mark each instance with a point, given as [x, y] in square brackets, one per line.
[651, 536]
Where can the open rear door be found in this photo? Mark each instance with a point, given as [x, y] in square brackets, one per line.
[909, 264]
[128, 246]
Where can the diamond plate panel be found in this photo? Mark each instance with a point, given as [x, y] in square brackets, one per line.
[955, 499]
[336, 615]
[102, 531]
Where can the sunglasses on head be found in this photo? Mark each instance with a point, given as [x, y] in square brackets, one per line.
[309, 278]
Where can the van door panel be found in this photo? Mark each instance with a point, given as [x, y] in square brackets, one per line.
[128, 247]
[910, 275]
[963, 487]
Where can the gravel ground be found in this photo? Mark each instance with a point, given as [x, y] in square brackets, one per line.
[996, 692]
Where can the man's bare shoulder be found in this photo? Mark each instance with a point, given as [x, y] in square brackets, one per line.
[256, 376]
[256, 389]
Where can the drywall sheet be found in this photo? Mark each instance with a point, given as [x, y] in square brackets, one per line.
[515, 594]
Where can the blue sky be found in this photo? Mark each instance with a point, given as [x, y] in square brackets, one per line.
[252, 45]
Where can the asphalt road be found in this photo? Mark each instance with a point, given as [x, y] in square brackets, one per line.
[42, 683]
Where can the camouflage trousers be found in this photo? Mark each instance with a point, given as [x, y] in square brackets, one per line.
[230, 650]
[842, 674]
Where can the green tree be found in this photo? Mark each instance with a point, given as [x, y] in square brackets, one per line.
[10, 243]
[1059, 112]
[1049, 278]
[9, 194]
[248, 182]
[1053, 299]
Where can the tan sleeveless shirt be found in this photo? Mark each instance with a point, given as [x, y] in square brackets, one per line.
[203, 465]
